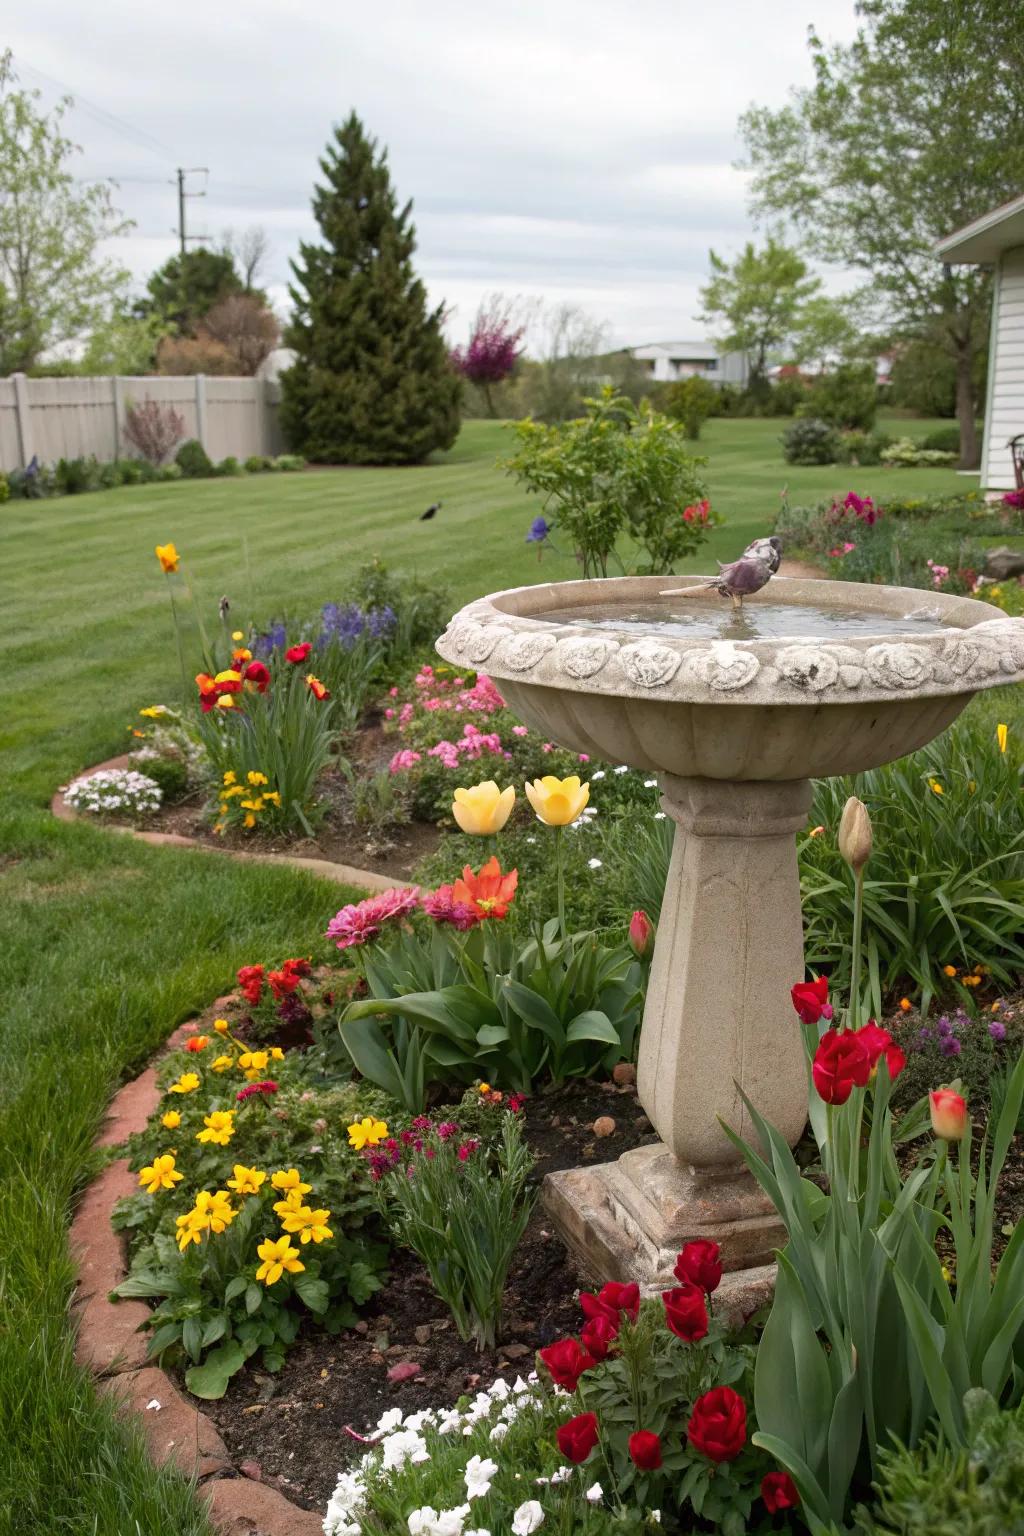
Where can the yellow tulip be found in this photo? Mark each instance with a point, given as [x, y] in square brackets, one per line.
[557, 802]
[168, 557]
[484, 808]
[1002, 732]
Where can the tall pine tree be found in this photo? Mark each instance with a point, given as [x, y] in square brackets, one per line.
[371, 383]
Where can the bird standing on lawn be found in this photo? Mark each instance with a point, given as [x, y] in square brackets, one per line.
[741, 578]
[431, 511]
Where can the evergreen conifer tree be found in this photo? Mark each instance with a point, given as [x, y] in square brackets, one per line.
[372, 383]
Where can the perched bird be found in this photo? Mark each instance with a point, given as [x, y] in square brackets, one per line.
[431, 511]
[741, 578]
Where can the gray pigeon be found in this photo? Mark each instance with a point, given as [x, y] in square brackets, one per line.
[739, 579]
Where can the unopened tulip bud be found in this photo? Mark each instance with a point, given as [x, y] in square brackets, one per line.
[949, 1114]
[855, 834]
[641, 934]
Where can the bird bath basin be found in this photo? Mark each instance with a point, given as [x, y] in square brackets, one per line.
[735, 711]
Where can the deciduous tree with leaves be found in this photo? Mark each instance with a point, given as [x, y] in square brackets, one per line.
[54, 283]
[753, 304]
[909, 132]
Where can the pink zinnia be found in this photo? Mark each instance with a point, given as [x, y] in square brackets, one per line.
[440, 906]
[362, 921]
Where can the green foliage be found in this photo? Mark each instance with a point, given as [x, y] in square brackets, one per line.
[289, 462]
[5, 489]
[371, 383]
[754, 304]
[462, 1208]
[258, 464]
[172, 775]
[945, 440]
[691, 401]
[944, 1490]
[810, 441]
[188, 286]
[229, 466]
[905, 451]
[73, 476]
[193, 460]
[859, 448]
[122, 343]
[845, 397]
[611, 472]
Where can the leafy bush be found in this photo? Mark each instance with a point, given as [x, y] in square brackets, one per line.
[109, 476]
[905, 453]
[169, 472]
[193, 460]
[691, 401]
[153, 429]
[809, 441]
[943, 440]
[845, 397]
[863, 448]
[5, 489]
[785, 398]
[258, 464]
[976, 1489]
[289, 462]
[72, 477]
[130, 471]
[228, 467]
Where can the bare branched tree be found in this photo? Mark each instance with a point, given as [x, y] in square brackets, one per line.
[249, 248]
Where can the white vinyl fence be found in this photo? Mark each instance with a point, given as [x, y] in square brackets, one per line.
[68, 418]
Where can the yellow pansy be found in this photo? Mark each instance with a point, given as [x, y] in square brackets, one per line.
[254, 1064]
[483, 808]
[160, 1174]
[231, 777]
[291, 1202]
[168, 557]
[247, 1181]
[276, 1053]
[188, 1082]
[278, 1258]
[557, 802]
[220, 1127]
[171, 1120]
[366, 1132]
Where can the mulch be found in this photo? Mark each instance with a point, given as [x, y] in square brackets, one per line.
[291, 1427]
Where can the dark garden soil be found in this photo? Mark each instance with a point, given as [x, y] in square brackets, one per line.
[293, 1425]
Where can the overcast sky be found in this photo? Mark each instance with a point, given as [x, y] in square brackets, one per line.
[570, 150]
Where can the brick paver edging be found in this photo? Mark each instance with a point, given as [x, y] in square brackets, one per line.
[110, 1345]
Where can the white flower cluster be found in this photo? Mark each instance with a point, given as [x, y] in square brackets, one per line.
[400, 1442]
[114, 790]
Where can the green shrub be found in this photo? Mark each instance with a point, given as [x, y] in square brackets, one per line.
[5, 489]
[690, 401]
[289, 462]
[228, 467]
[906, 454]
[944, 1490]
[258, 464]
[845, 397]
[73, 477]
[131, 471]
[109, 476]
[943, 440]
[194, 461]
[171, 773]
[810, 441]
[786, 397]
[863, 448]
[166, 472]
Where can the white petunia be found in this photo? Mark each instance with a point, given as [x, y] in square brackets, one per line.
[390, 1421]
[478, 1475]
[655, 1515]
[529, 1517]
[594, 1494]
[519, 1386]
[416, 1421]
[451, 1419]
[650, 783]
[499, 1389]
[423, 1521]
[498, 1432]
[402, 1447]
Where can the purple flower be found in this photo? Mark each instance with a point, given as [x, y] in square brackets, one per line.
[943, 1026]
[997, 1029]
[380, 621]
[275, 639]
[343, 624]
[539, 530]
[950, 1046]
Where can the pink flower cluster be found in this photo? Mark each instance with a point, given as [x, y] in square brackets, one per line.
[862, 507]
[472, 744]
[939, 572]
[361, 921]
[699, 512]
[441, 906]
[837, 553]
[403, 761]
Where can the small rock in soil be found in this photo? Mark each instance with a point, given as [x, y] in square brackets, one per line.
[624, 1073]
[404, 1371]
[251, 1469]
[515, 1351]
[422, 1333]
[603, 1126]
[362, 1326]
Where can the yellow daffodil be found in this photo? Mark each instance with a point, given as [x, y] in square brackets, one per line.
[1002, 731]
[289, 1178]
[220, 1127]
[161, 1174]
[223, 1063]
[278, 1258]
[366, 1132]
[236, 634]
[310, 1226]
[557, 802]
[153, 712]
[188, 1082]
[168, 557]
[221, 1026]
[483, 808]
[257, 778]
[247, 1181]
[171, 1120]
[935, 787]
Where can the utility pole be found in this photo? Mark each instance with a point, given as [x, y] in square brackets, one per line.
[183, 171]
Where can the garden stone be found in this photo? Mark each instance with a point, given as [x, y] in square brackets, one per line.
[735, 724]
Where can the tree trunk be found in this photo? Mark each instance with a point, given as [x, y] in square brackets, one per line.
[970, 453]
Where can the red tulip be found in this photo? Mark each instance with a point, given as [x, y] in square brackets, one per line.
[297, 653]
[621, 1298]
[641, 934]
[645, 1450]
[577, 1437]
[566, 1362]
[718, 1424]
[949, 1114]
[598, 1335]
[699, 1262]
[685, 1311]
[257, 674]
[878, 1043]
[840, 1064]
[779, 1492]
[810, 999]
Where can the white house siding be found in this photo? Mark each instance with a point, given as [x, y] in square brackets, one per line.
[1005, 416]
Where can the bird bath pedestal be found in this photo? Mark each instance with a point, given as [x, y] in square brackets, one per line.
[735, 719]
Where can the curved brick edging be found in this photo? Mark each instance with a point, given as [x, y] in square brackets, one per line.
[344, 874]
[109, 1344]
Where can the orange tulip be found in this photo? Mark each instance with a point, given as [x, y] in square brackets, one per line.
[490, 893]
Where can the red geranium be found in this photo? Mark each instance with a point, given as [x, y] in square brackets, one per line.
[718, 1424]
[700, 1263]
[685, 1311]
[878, 1043]
[297, 653]
[779, 1492]
[250, 979]
[577, 1437]
[258, 675]
[282, 983]
[645, 1450]
[598, 1335]
[810, 999]
[566, 1362]
[841, 1063]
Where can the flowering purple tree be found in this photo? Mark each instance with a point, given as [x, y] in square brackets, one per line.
[492, 352]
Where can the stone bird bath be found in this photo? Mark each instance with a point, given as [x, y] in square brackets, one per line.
[735, 714]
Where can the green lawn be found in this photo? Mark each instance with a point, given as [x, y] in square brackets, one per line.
[105, 945]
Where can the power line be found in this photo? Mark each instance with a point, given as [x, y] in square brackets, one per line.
[117, 124]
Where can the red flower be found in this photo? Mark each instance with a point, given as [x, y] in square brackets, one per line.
[566, 1362]
[645, 1450]
[840, 1064]
[700, 1263]
[197, 1043]
[268, 1087]
[257, 674]
[598, 1335]
[718, 1424]
[516, 1102]
[878, 1043]
[297, 653]
[282, 983]
[779, 1492]
[621, 1298]
[577, 1437]
[297, 967]
[250, 979]
[641, 934]
[810, 999]
[490, 893]
[685, 1311]
[317, 688]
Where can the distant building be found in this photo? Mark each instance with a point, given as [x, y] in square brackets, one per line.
[667, 361]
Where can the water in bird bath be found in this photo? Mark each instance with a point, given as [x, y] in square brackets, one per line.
[706, 616]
